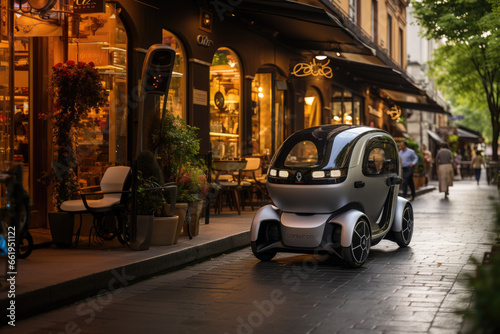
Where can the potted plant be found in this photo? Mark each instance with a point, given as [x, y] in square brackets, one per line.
[77, 89]
[177, 145]
[151, 184]
[193, 188]
[419, 172]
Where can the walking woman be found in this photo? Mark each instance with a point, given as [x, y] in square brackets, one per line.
[444, 166]
[477, 163]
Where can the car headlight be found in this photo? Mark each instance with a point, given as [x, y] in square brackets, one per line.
[335, 173]
[320, 174]
[273, 172]
[283, 173]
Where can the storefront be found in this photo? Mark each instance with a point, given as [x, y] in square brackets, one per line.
[235, 79]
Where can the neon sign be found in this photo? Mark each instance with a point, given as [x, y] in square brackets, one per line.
[312, 68]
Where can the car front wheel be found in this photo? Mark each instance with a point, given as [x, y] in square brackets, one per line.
[356, 254]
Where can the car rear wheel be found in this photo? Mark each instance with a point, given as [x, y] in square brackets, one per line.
[262, 255]
[403, 237]
[356, 254]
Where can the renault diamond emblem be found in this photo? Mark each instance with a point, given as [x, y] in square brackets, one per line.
[298, 176]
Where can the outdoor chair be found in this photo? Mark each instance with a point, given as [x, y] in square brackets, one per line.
[114, 191]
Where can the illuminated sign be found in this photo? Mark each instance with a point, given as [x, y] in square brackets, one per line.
[89, 6]
[312, 68]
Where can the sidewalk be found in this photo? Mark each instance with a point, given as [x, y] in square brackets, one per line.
[52, 277]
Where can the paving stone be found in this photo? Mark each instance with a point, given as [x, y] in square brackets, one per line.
[412, 290]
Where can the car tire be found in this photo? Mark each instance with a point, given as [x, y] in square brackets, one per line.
[356, 254]
[403, 237]
[265, 255]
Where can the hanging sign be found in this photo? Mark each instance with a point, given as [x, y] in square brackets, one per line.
[313, 68]
[89, 6]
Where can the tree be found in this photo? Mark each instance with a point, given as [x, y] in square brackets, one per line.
[469, 60]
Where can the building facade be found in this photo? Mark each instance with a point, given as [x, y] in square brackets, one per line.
[247, 74]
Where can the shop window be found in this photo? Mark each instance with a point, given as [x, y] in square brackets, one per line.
[5, 118]
[225, 88]
[312, 108]
[268, 112]
[177, 91]
[346, 107]
[103, 137]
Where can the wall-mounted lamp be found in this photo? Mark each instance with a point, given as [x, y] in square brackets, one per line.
[205, 20]
[309, 100]
[337, 54]
[261, 95]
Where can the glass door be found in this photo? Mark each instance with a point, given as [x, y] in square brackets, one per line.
[269, 115]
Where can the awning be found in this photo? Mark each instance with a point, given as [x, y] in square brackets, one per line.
[393, 85]
[468, 136]
[435, 136]
[300, 25]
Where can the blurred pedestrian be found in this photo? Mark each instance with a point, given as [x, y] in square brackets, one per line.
[444, 166]
[477, 163]
[458, 163]
[427, 162]
[408, 161]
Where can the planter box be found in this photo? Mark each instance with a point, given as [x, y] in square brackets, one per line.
[143, 235]
[164, 230]
[180, 211]
[195, 209]
[62, 225]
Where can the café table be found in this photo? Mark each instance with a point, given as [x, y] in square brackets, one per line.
[230, 185]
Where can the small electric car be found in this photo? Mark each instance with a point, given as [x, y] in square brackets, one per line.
[335, 190]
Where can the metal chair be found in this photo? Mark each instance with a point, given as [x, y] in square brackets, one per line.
[114, 191]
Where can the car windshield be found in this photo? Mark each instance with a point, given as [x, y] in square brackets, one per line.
[319, 147]
[303, 154]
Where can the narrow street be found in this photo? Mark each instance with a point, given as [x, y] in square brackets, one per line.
[413, 290]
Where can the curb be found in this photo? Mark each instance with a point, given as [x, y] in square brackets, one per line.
[62, 294]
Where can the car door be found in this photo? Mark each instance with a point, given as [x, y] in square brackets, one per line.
[379, 164]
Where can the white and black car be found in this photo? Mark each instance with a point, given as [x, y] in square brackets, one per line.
[335, 190]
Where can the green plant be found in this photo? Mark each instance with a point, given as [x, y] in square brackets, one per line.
[486, 288]
[148, 165]
[177, 145]
[150, 197]
[77, 89]
[420, 166]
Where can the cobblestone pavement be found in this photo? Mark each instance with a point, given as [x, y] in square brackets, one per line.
[412, 290]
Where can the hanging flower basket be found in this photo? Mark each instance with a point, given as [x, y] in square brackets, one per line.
[77, 89]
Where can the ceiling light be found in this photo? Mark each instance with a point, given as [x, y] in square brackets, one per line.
[320, 56]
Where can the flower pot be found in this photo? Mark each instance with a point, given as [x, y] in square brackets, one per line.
[143, 232]
[180, 211]
[61, 228]
[164, 229]
[195, 209]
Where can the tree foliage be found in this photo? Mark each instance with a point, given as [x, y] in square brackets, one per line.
[467, 66]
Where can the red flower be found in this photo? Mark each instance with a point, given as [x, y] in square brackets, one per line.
[70, 62]
[92, 64]
[81, 64]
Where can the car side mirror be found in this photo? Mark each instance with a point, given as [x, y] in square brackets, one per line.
[393, 180]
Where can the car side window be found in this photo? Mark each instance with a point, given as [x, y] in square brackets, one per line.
[380, 157]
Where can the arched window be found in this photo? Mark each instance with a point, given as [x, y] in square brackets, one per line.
[312, 108]
[225, 115]
[103, 136]
[177, 91]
